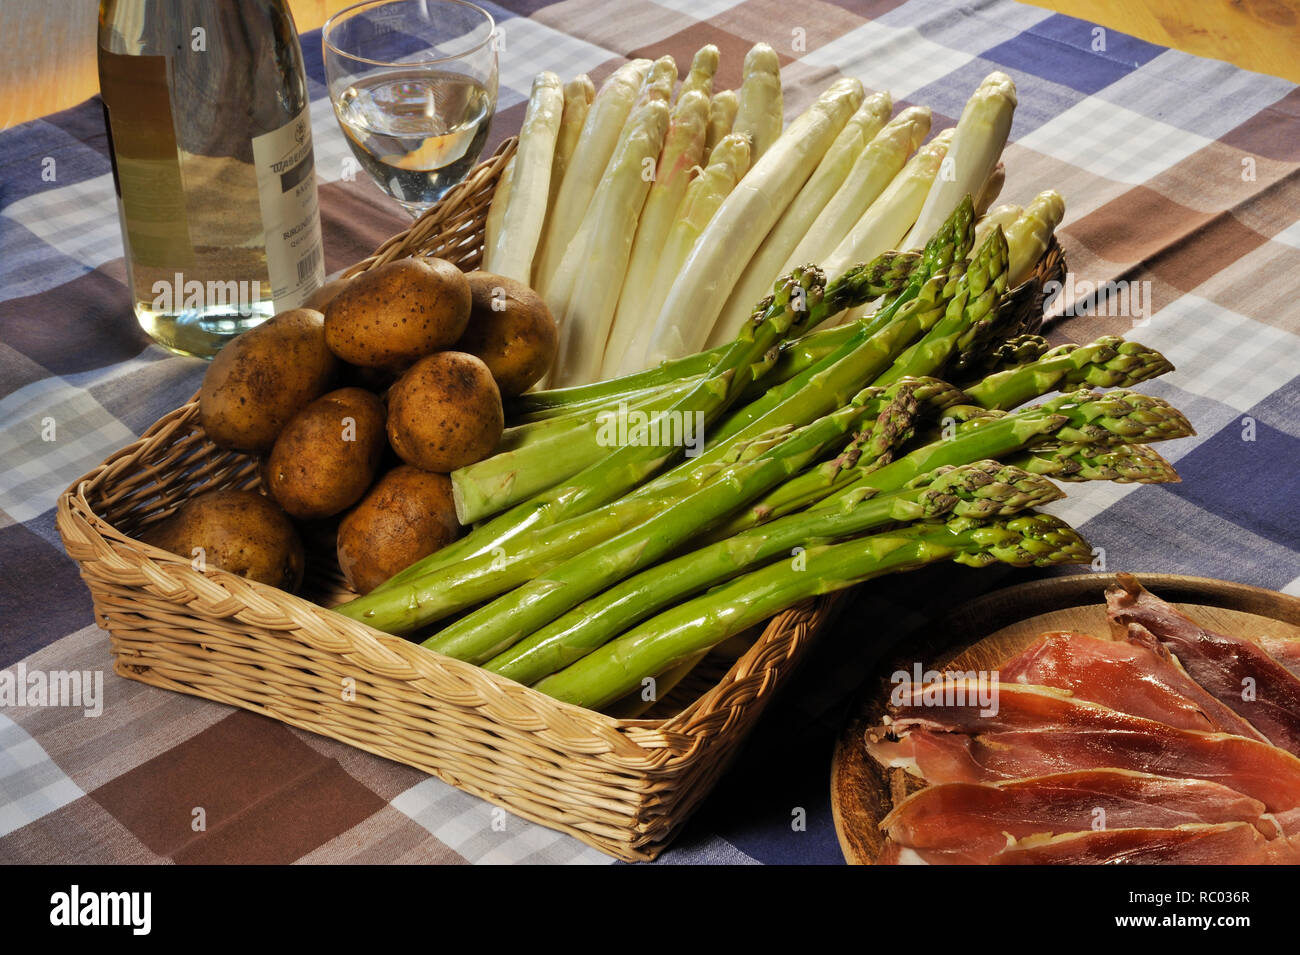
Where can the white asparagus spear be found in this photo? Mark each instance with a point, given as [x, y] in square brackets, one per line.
[887, 219]
[511, 254]
[584, 327]
[722, 116]
[976, 145]
[1029, 236]
[879, 164]
[657, 88]
[659, 84]
[1002, 215]
[760, 110]
[600, 133]
[703, 67]
[682, 153]
[807, 208]
[744, 220]
[578, 95]
[497, 210]
[727, 165]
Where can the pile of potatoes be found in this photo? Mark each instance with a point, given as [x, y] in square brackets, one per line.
[360, 403]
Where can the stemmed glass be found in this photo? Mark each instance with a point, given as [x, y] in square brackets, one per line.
[414, 86]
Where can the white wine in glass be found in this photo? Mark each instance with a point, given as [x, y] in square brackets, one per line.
[414, 87]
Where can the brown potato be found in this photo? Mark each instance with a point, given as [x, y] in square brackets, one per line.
[263, 378]
[511, 329]
[445, 412]
[241, 532]
[398, 312]
[327, 455]
[407, 515]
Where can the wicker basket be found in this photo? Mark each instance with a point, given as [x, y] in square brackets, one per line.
[624, 786]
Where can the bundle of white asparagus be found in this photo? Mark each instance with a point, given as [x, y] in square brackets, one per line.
[653, 220]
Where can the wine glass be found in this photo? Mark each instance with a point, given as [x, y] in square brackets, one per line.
[414, 86]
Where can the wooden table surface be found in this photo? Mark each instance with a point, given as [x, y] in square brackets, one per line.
[48, 60]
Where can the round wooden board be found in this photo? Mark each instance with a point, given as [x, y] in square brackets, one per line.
[984, 633]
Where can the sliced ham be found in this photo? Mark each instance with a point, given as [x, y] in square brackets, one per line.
[969, 823]
[1233, 843]
[1125, 676]
[1037, 731]
[1284, 650]
[1255, 769]
[1169, 743]
[1239, 673]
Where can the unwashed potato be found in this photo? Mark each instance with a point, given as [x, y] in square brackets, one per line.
[241, 532]
[407, 515]
[396, 313]
[263, 378]
[511, 329]
[445, 412]
[328, 454]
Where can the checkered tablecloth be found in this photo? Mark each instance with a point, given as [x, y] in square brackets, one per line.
[1182, 178]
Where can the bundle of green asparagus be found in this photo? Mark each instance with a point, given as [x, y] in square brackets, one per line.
[650, 219]
[632, 524]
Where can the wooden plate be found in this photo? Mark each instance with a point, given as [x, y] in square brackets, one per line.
[984, 633]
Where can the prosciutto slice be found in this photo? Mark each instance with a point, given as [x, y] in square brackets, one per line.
[970, 823]
[1239, 673]
[1127, 676]
[1233, 843]
[1282, 649]
[1037, 731]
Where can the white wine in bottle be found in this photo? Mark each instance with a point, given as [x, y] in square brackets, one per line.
[209, 129]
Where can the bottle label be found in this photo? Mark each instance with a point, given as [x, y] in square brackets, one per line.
[286, 186]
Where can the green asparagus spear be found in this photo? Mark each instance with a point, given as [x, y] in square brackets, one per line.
[994, 357]
[443, 589]
[1109, 362]
[874, 448]
[557, 449]
[530, 428]
[984, 490]
[1125, 464]
[662, 641]
[979, 289]
[406, 604]
[1084, 417]
[495, 627]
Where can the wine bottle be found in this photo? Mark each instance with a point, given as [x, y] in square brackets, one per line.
[209, 129]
